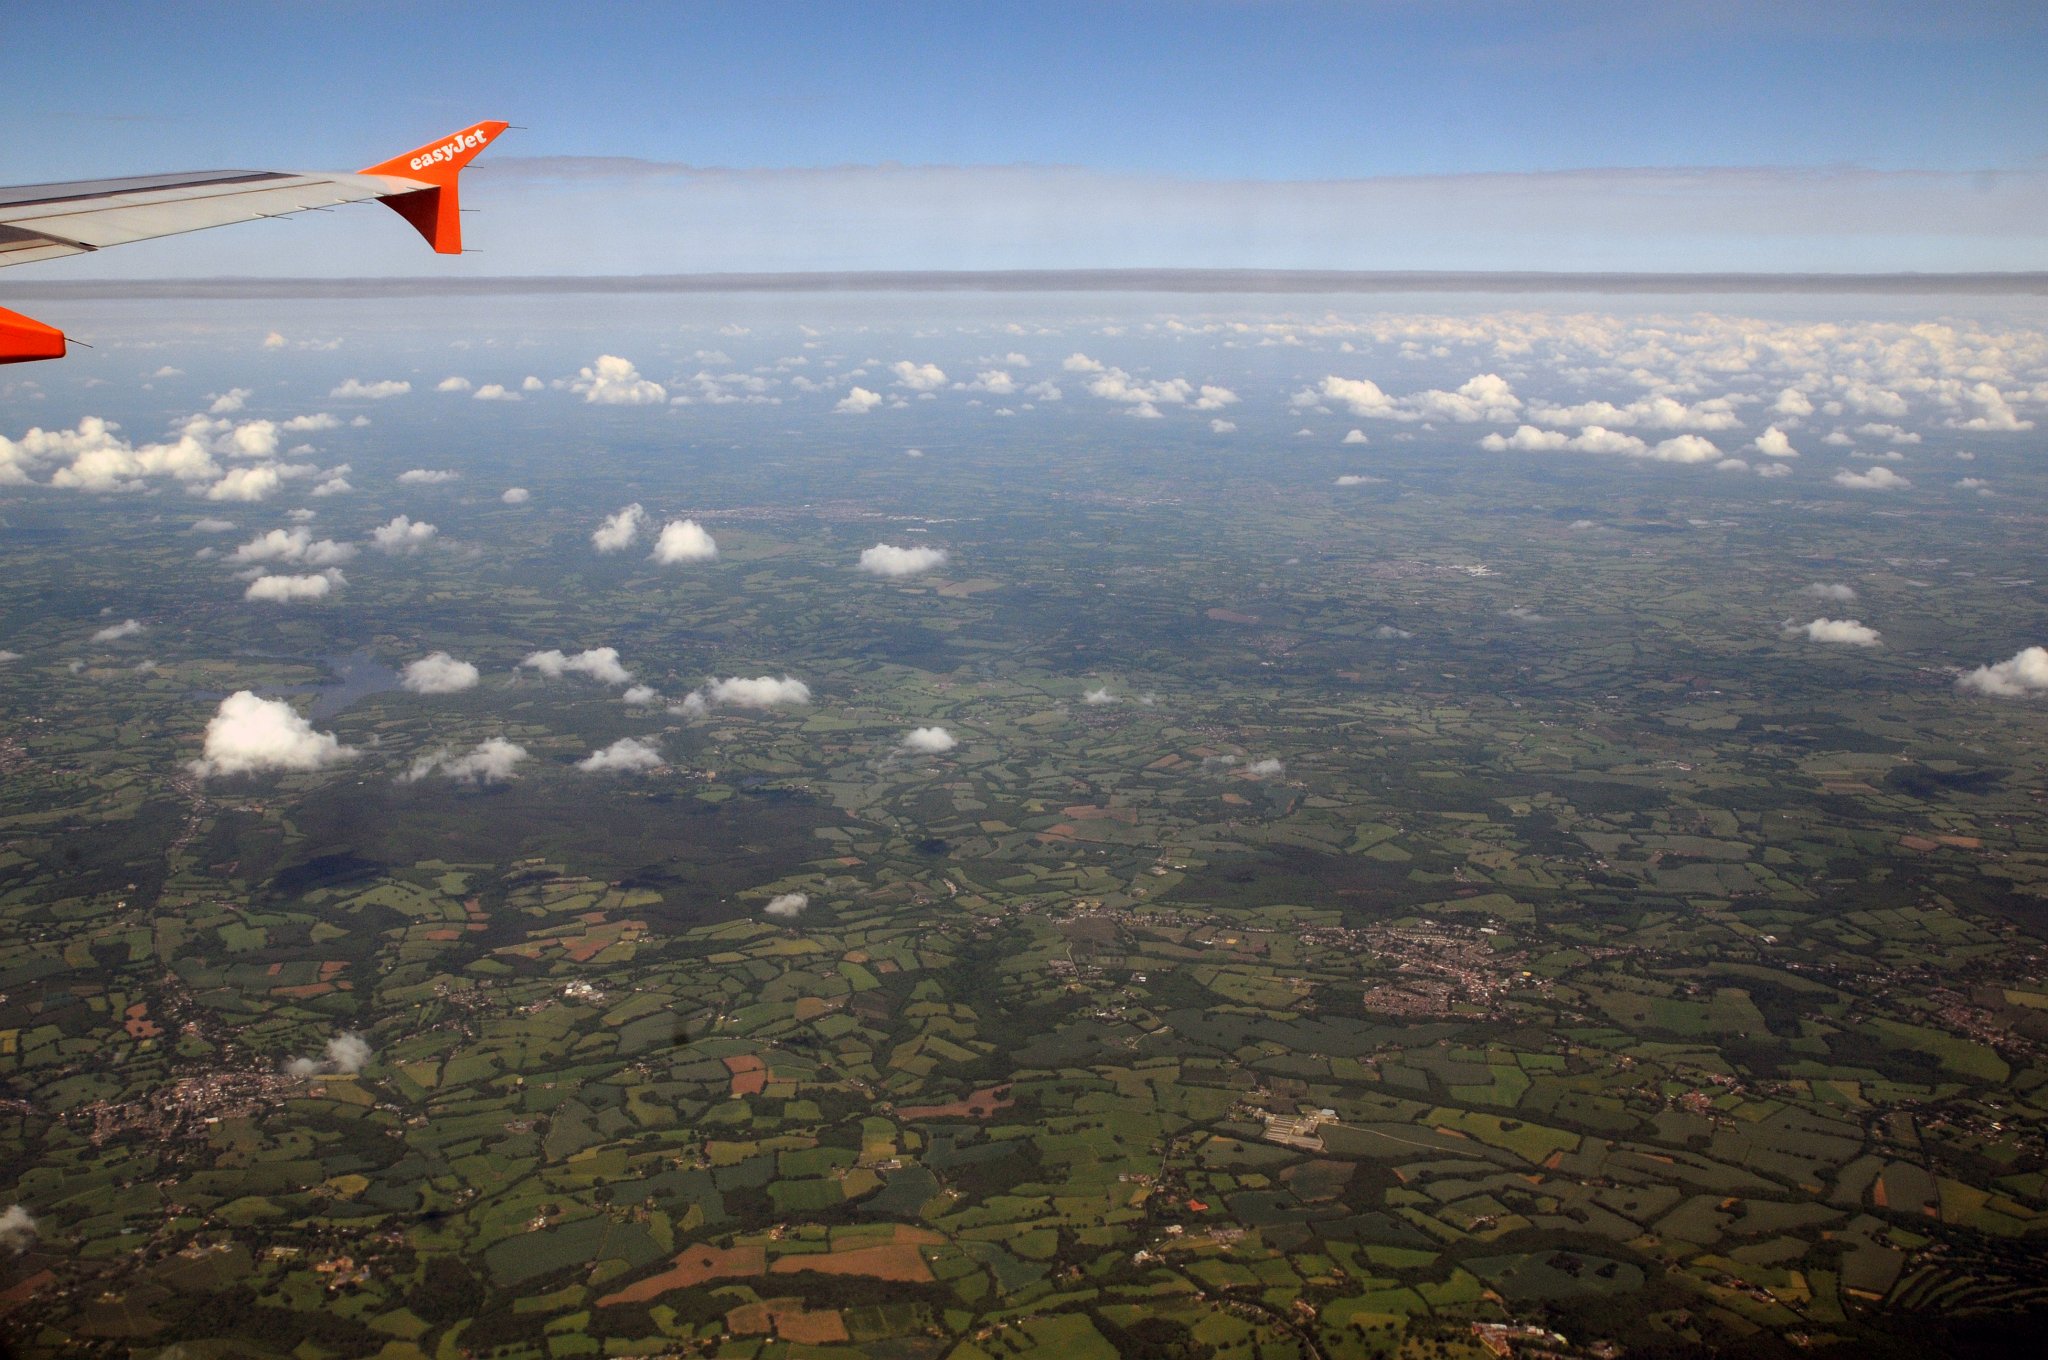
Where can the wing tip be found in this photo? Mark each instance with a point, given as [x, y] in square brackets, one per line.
[23, 339]
[441, 160]
[433, 210]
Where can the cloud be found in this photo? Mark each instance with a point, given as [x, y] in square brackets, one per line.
[993, 381]
[627, 755]
[919, 377]
[495, 392]
[1269, 768]
[684, 540]
[1485, 397]
[427, 477]
[248, 735]
[1209, 397]
[1113, 384]
[1891, 434]
[640, 694]
[618, 531]
[1222, 427]
[402, 535]
[613, 381]
[294, 545]
[1826, 591]
[1387, 632]
[1654, 413]
[355, 389]
[333, 486]
[291, 589]
[246, 483]
[599, 663]
[1686, 448]
[310, 424]
[230, 401]
[886, 559]
[17, 1229]
[1844, 632]
[211, 525]
[127, 628]
[762, 691]
[516, 495]
[101, 460]
[439, 673]
[1792, 403]
[1877, 479]
[1081, 363]
[1773, 443]
[928, 740]
[858, 401]
[1356, 437]
[488, 762]
[453, 384]
[1994, 413]
[347, 1054]
[787, 906]
[1357, 479]
[7, 656]
[2024, 672]
[1098, 696]
[1592, 439]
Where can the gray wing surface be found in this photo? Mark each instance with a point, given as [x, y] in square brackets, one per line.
[45, 221]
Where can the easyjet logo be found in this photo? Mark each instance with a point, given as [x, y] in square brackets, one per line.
[449, 149]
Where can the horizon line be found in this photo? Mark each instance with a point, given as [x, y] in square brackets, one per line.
[1111, 280]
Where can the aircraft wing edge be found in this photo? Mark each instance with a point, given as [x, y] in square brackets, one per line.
[49, 221]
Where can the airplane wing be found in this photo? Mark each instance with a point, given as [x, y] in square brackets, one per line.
[45, 221]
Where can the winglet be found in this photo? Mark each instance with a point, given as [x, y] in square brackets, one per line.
[433, 211]
[24, 339]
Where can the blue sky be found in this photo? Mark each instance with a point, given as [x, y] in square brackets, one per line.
[1154, 103]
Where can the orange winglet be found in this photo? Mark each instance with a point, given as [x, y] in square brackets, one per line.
[23, 339]
[433, 211]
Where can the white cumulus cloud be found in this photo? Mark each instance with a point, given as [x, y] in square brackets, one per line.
[627, 755]
[491, 761]
[1773, 443]
[427, 477]
[292, 589]
[439, 673]
[618, 531]
[356, 390]
[885, 559]
[346, 1055]
[684, 540]
[402, 535]
[858, 401]
[918, 377]
[928, 740]
[294, 545]
[613, 381]
[1843, 632]
[599, 663]
[2024, 672]
[17, 1229]
[114, 632]
[761, 691]
[787, 906]
[250, 735]
[1877, 479]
